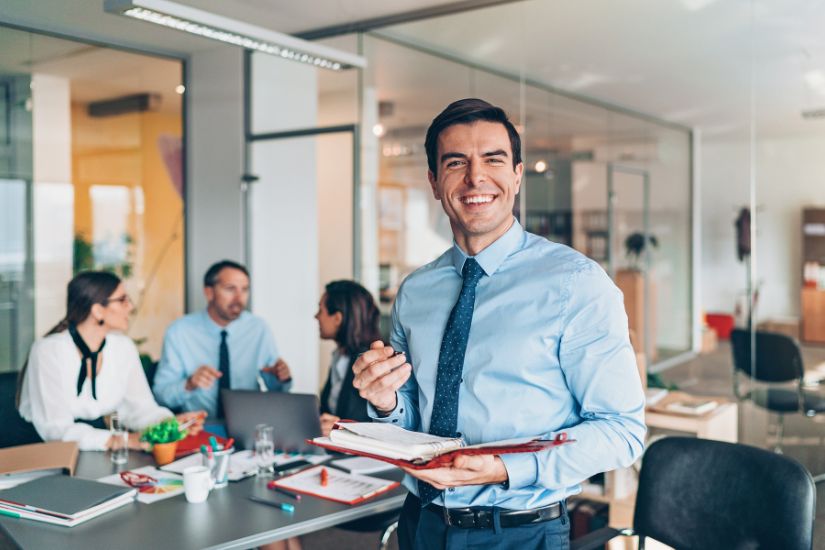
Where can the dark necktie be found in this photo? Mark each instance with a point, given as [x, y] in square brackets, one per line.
[223, 366]
[450, 364]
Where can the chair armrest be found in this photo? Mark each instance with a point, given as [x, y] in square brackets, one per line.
[598, 538]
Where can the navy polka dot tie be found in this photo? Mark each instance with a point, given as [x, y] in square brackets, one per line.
[450, 364]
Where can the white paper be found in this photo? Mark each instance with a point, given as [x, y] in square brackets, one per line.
[7, 481]
[242, 464]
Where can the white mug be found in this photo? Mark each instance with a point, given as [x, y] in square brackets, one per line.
[197, 482]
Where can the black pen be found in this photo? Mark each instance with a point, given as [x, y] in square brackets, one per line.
[285, 506]
[284, 492]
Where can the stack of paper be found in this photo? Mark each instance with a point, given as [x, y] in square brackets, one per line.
[335, 485]
[63, 500]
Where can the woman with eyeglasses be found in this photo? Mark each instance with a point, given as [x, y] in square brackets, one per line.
[85, 369]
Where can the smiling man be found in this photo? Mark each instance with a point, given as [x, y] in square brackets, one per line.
[505, 335]
[224, 346]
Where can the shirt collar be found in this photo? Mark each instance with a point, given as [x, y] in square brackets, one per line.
[491, 258]
[215, 328]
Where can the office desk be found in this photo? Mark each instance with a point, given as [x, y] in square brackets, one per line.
[228, 519]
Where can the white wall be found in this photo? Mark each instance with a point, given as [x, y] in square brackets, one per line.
[214, 223]
[790, 175]
[284, 214]
[53, 199]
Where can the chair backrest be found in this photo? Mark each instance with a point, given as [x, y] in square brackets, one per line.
[702, 494]
[14, 430]
[778, 358]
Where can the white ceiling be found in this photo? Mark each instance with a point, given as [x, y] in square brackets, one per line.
[686, 61]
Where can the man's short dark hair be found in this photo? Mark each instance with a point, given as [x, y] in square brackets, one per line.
[467, 111]
[211, 276]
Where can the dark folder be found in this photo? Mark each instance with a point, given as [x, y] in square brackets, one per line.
[62, 495]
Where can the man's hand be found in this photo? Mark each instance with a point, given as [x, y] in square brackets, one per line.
[203, 378]
[378, 374]
[195, 417]
[280, 369]
[464, 470]
[327, 422]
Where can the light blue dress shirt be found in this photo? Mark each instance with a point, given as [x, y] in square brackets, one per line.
[194, 340]
[548, 351]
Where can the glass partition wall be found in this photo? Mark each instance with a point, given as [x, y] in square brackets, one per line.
[571, 146]
[91, 177]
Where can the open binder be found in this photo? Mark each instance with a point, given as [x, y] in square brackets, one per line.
[417, 450]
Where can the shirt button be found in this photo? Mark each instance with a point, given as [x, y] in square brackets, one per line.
[458, 434]
[451, 489]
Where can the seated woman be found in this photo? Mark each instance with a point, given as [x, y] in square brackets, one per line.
[348, 315]
[81, 371]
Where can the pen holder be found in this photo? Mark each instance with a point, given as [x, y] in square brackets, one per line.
[218, 465]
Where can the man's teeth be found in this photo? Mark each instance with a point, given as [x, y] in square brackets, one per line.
[477, 199]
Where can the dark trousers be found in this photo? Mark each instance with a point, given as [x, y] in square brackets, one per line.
[423, 529]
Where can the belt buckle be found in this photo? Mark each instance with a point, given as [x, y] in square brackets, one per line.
[446, 513]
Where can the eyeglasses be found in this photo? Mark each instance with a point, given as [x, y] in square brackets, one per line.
[123, 299]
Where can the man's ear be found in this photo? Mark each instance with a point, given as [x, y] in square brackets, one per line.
[433, 184]
[519, 172]
[209, 293]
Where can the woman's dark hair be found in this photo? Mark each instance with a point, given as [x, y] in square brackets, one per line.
[467, 111]
[360, 316]
[85, 290]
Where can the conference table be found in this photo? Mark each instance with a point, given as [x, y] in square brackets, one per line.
[228, 519]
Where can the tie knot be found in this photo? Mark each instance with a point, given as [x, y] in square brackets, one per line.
[471, 272]
[223, 334]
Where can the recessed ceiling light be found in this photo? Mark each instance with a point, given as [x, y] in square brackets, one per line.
[231, 31]
[179, 89]
[540, 166]
[379, 130]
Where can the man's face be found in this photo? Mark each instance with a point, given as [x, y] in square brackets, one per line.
[228, 297]
[476, 182]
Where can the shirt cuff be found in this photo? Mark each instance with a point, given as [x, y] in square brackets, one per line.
[95, 440]
[394, 417]
[522, 469]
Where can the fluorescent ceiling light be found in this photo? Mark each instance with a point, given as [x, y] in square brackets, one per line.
[210, 25]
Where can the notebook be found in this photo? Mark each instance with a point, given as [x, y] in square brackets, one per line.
[63, 500]
[54, 455]
[418, 450]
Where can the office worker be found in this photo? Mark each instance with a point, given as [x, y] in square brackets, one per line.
[505, 335]
[82, 371]
[224, 346]
[348, 315]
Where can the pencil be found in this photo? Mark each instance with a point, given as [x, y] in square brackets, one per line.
[271, 485]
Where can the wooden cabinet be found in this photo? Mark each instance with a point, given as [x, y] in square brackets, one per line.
[813, 260]
[813, 315]
[632, 285]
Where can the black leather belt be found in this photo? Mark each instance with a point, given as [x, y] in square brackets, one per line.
[482, 518]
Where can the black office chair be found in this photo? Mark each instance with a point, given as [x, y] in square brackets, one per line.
[778, 364]
[699, 494]
[15, 430]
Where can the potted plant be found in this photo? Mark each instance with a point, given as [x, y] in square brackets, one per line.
[635, 245]
[164, 437]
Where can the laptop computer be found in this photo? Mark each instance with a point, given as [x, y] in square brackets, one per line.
[294, 417]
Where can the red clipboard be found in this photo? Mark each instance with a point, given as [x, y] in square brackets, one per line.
[192, 443]
[335, 476]
[437, 462]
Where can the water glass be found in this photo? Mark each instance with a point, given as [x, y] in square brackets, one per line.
[119, 439]
[264, 448]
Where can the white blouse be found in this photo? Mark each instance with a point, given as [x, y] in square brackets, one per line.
[49, 397]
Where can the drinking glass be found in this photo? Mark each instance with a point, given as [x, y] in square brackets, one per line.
[264, 449]
[119, 439]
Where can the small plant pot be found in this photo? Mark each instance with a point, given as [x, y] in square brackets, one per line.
[164, 453]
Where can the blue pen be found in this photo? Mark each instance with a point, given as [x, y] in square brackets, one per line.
[285, 506]
[213, 442]
[10, 514]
